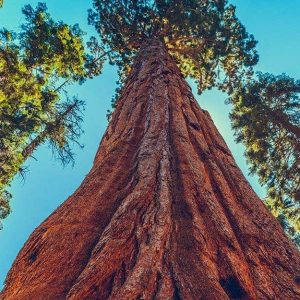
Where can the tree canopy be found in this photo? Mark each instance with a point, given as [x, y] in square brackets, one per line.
[36, 65]
[205, 37]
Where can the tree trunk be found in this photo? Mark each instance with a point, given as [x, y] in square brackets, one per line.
[165, 213]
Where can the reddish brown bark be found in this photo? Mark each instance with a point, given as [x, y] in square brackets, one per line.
[165, 213]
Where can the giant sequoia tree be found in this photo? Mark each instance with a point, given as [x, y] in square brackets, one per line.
[165, 213]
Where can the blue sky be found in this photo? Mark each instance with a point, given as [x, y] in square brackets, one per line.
[275, 24]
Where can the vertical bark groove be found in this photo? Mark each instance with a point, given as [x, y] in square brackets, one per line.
[165, 213]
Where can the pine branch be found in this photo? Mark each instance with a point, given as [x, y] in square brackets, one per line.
[50, 127]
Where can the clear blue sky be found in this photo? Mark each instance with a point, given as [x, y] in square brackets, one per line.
[275, 24]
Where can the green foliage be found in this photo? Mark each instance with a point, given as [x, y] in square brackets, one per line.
[36, 66]
[4, 204]
[1, 3]
[287, 213]
[208, 41]
[266, 120]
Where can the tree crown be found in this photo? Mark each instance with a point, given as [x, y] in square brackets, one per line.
[208, 41]
[266, 120]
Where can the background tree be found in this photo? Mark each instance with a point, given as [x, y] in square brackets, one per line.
[36, 66]
[266, 120]
[219, 53]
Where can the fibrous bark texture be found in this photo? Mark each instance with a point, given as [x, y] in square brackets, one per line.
[165, 213]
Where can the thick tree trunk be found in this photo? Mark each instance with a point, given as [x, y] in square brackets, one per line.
[165, 213]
